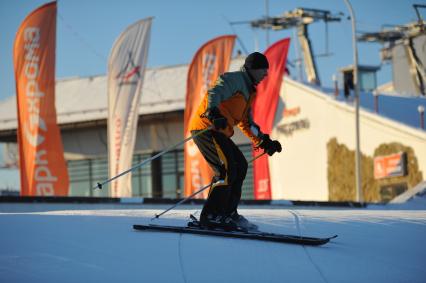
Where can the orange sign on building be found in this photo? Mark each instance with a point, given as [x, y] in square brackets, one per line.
[390, 165]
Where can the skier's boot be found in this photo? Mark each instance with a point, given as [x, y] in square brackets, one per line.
[218, 221]
[242, 222]
[193, 221]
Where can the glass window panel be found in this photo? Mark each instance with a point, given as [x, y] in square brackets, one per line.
[169, 186]
[80, 189]
[247, 189]
[146, 186]
[367, 81]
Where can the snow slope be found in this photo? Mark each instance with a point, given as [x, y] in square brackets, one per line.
[96, 243]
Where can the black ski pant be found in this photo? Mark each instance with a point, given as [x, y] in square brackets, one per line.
[229, 165]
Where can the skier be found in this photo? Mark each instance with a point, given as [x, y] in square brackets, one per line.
[225, 105]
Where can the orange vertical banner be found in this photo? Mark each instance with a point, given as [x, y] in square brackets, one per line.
[41, 156]
[211, 60]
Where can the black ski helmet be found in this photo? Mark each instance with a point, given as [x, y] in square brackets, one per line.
[256, 60]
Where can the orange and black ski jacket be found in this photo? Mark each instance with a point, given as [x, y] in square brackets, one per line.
[233, 94]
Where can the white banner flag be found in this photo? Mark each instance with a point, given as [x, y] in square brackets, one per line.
[126, 69]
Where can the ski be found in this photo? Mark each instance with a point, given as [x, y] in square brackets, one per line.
[262, 236]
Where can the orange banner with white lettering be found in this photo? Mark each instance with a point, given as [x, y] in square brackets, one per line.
[211, 60]
[41, 156]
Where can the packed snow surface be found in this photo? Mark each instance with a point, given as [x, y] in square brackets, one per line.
[96, 243]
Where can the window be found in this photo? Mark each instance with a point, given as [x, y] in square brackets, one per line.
[85, 173]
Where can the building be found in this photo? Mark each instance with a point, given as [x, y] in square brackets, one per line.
[81, 105]
[311, 123]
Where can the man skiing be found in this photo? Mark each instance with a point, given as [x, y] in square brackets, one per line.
[225, 105]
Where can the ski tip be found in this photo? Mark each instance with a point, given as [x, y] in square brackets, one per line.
[333, 237]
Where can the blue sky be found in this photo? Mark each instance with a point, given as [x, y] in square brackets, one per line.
[87, 29]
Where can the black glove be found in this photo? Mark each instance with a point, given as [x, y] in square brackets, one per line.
[269, 145]
[218, 121]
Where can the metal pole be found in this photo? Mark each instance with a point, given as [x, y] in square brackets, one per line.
[298, 57]
[336, 86]
[267, 18]
[421, 110]
[99, 185]
[376, 101]
[197, 192]
[185, 199]
[356, 86]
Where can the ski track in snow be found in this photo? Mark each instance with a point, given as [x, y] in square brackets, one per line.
[299, 232]
[181, 263]
[92, 243]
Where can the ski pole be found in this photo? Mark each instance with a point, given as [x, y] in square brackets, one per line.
[199, 191]
[99, 185]
[185, 199]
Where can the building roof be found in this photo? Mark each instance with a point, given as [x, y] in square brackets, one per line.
[85, 99]
[80, 100]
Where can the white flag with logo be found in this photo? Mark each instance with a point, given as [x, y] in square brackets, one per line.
[126, 69]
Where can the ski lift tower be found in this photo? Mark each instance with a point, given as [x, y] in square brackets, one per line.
[300, 18]
[404, 46]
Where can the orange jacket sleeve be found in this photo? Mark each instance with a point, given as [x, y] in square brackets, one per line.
[250, 129]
